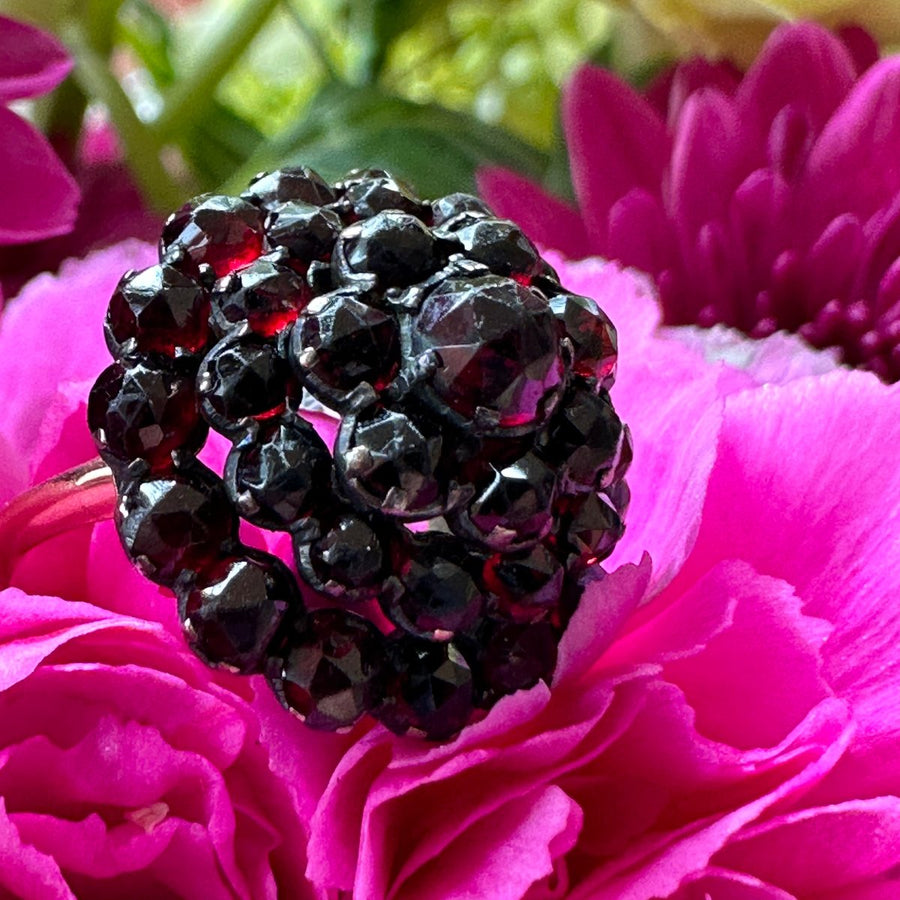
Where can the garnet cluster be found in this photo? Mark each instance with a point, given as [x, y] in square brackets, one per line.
[477, 478]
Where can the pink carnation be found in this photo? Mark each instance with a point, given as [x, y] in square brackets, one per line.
[39, 196]
[723, 720]
[769, 201]
[127, 767]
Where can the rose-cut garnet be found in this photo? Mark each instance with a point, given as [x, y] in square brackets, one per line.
[412, 397]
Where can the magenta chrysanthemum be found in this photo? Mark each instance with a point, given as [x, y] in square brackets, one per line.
[765, 202]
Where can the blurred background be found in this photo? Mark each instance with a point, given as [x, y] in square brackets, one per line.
[202, 95]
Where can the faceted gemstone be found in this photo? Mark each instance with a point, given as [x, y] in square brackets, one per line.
[497, 348]
[515, 510]
[176, 524]
[145, 413]
[371, 191]
[500, 245]
[388, 462]
[276, 476]
[329, 669]
[232, 612]
[158, 310]
[266, 295]
[308, 232]
[225, 233]
[477, 461]
[441, 595]
[515, 656]
[347, 560]
[582, 438]
[592, 334]
[620, 496]
[338, 342]
[622, 461]
[590, 528]
[395, 247]
[446, 208]
[527, 584]
[242, 377]
[429, 688]
[290, 184]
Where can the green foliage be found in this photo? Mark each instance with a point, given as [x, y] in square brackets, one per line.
[430, 89]
[434, 148]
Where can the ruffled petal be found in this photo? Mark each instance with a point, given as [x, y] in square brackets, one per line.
[24, 870]
[822, 850]
[48, 312]
[826, 522]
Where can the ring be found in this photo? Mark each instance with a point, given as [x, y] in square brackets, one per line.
[446, 522]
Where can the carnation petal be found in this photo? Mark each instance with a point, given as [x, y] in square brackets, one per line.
[827, 523]
[44, 619]
[42, 321]
[655, 865]
[32, 61]
[821, 849]
[736, 685]
[502, 855]
[546, 219]
[40, 197]
[602, 612]
[724, 884]
[24, 870]
[617, 142]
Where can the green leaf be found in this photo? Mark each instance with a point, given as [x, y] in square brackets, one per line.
[435, 149]
[217, 143]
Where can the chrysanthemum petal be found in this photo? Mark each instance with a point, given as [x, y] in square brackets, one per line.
[709, 159]
[547, 220]
[803, 66]
[616, 142]
[853, 165]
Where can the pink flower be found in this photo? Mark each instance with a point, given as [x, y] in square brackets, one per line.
[769, 201]
[39, 196]
[127, 767]
[723, 721]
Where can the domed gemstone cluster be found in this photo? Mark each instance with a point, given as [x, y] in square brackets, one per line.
[442, 544]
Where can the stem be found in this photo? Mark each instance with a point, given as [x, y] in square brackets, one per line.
[312, 39]
[193, 89]
[140, 145]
